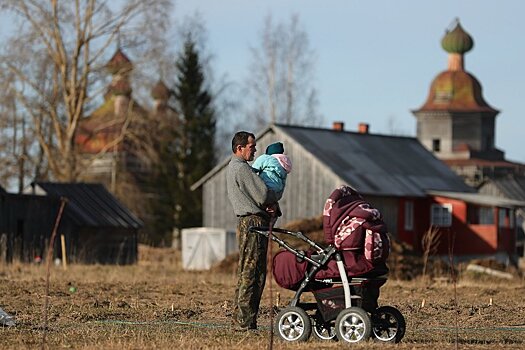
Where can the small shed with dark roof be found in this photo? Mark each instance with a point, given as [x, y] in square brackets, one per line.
[26, 223]
[100, 228]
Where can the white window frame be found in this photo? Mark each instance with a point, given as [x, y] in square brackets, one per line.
[441, 214]
[409, 215]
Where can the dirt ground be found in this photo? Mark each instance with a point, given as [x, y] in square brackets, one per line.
[155, 304]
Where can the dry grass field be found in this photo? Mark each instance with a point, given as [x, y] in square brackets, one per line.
[157, 305]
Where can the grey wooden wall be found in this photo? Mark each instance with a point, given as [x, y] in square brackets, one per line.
[307, 187]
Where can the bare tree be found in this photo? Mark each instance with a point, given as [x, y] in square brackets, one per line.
[55, 58]
[280, 84]
[8, 134]
[17, 146]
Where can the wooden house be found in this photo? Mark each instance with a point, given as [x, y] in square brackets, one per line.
[406, 182]
[469, 225]
[510, 187]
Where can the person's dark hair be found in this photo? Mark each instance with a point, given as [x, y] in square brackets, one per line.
[241, 139]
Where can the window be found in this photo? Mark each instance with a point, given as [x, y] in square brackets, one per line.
[502, 214]
[477, 215]
[409, 215]
[486, 216]
[436, 145]
[489, 142]
[441, 215]
[472, 214]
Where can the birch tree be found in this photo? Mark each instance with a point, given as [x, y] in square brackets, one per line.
[280, 85]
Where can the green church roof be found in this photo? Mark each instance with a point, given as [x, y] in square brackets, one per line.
[457, 40]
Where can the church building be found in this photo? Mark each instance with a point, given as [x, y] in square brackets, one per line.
[115, 142]
[457, 124]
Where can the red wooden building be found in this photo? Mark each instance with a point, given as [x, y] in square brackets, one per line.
[470, 224]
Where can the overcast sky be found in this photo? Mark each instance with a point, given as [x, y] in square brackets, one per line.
[375, 59]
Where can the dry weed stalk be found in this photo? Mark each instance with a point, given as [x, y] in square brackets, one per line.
[453, 277]
[48, 264]
[429, 244]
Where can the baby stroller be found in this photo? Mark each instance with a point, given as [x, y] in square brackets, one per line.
[344, 276]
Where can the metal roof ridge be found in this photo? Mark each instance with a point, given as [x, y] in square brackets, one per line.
[481, 198]
[318, 128]
[224, 162]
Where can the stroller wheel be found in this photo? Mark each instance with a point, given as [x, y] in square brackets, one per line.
[293, 324]
[323, 330]
[388, 324]
[353, 325]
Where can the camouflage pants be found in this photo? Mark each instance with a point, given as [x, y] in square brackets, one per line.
[251, 271]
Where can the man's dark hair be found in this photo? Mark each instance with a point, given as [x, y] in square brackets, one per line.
[241, 139]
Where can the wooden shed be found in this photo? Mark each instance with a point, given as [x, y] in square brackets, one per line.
[26, 223]
[386, 169]
[97, 228]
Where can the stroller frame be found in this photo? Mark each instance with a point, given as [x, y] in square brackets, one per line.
[317, 262]
[387, 316]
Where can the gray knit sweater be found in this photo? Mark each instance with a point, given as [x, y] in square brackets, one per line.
[247, 192]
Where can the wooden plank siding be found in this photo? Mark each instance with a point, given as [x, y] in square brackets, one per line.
[491, 189]
[307, 188]
[217, 210]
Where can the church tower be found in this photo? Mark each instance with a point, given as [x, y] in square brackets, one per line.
[455, 122]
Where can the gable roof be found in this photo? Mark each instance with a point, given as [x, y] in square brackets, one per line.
[373, 164]
[512, 187]
[90, 204]
[378, 164]
[481, 199]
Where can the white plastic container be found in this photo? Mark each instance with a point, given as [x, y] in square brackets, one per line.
[204, 246]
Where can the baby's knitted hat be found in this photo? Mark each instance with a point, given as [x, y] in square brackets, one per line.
[275, 148]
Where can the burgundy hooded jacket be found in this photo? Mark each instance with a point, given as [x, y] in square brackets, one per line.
[357, 231]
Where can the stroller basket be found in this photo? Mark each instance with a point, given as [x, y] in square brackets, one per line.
[330, 301]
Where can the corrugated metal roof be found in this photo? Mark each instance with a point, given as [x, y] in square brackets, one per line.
[482, 199]
[92, 205]
[378, 164]
[512, 186]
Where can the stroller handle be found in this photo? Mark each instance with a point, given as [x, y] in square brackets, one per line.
[265, 231]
